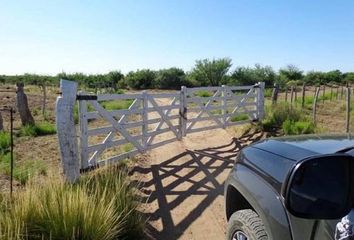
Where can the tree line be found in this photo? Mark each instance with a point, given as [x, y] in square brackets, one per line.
[206, 72]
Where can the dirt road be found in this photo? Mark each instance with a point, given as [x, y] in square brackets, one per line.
[185, 183]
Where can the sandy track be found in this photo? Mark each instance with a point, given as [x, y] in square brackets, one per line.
[185, 182]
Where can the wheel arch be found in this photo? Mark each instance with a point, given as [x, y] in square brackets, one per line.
[245, 189]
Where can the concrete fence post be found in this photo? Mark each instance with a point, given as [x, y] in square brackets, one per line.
[66, 130]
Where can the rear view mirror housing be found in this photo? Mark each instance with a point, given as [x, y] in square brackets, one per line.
[320, 187]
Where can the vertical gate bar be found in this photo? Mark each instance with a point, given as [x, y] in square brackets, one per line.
[224, 107]
[348, 111]
[261, 100]
[183, 112]
[145, 116]
[83, 133]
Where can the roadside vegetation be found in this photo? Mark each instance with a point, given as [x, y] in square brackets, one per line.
[103, 205]
[38, 129]
[290, 120]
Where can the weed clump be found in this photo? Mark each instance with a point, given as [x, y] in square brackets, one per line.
[100, 206]
[39, 129]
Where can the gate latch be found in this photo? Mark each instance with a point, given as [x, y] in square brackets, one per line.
[86, 97]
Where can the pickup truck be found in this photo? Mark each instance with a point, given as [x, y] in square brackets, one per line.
[292, 188]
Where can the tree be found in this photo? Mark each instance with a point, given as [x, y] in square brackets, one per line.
[314, 78]
[113, 78]
[141, 79]
[333, 76]
[291, 73]
[348, 77]
[248, 76]
[172, 78]
[211, 72]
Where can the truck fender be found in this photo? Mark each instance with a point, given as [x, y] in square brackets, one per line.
[264, 200]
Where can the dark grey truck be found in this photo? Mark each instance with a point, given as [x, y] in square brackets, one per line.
[295, 188]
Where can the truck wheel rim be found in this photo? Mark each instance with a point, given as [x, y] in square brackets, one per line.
[239, 235]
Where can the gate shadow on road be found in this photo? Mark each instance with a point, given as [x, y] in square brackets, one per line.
[186, 176]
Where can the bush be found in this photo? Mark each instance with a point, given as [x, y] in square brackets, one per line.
[299, 127]
[102, 206]
[268, 92]
[282, 112]
[203, 93]
[277, 114]
[23, 171]
[172, 78]
[4, 141]
[39, 129]
[240, 117]
[117, 104]
[141, 79]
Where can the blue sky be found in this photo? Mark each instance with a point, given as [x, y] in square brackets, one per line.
[47, 37]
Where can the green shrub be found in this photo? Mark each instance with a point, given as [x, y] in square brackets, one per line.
[282, 112]
[120, 91]
[23, 171]
[117, 104]
[4, 141]
[128, 147]
[101, 206]
[39, 129]
[45, 128]
[28, 130]
[240, 117]
[277, 114]
[298, 127]
[268, 92]
[203, 93]
[172, 78]
[141, 79]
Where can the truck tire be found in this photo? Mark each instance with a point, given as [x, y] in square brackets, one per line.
[246, 225]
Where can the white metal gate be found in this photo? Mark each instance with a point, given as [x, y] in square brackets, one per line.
[118, 126]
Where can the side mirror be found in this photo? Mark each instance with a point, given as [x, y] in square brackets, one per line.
[320, 187]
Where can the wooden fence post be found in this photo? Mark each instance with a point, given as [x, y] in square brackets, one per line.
[331, 93]
[324, 93]
[1, 123]
[337, 93]
[348, 111]
[286, 93]
[275, 93]
[295, 93]
[314, 107]
[291, 94]
[341, 92]
[66, 130]
[44, 100]
[303, 95]
[183, 112]
[224, 106]
[83, 133]
[22, 106]
[145, 126]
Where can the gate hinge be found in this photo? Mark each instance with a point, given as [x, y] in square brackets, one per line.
[86, 97]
